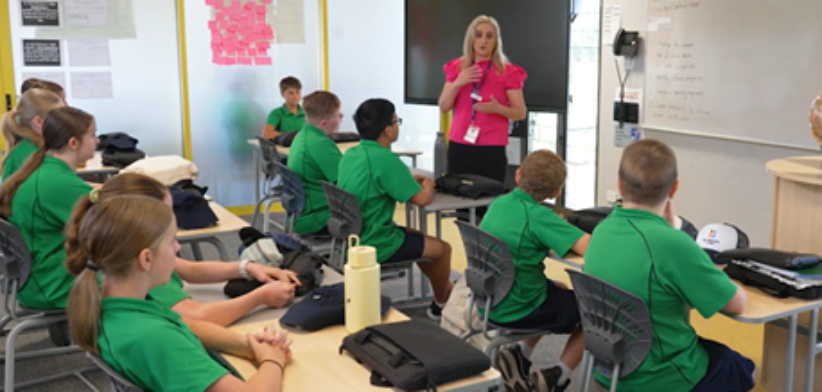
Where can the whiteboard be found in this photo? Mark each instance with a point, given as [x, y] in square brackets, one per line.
[734, 69]
[145, 100]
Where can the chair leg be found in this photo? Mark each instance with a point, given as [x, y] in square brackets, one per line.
[266, 215]
[257, 211]
[585, 372]
[615, 378]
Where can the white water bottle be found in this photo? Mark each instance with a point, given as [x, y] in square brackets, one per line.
[362, 286]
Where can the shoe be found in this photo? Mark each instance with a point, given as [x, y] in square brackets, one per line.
[59, 334]
[434, 311]
[547, 380]
[514, 366]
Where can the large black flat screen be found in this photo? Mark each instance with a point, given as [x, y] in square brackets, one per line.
[535, 36]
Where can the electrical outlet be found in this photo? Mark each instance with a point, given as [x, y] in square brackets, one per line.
[611, 197]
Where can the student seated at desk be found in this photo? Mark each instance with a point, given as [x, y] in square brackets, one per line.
[289, 117]
[314, 157]
[278, 290]
[47, 85]
[637, 249]
[130, 240]
[38, 199]
[22, 127]
[530, 231]
[379, 180]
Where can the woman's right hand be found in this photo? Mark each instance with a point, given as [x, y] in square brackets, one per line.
[273, 345]
[471, 74]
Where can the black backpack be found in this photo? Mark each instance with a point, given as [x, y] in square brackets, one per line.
[471, 186]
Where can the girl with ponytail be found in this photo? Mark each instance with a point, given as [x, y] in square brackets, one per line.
[277, 291]
[130, 240]
[22, 127]
[38, 200]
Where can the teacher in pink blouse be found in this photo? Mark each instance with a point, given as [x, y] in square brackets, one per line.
[484, 92]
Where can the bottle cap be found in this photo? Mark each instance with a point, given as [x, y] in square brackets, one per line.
[360, 256]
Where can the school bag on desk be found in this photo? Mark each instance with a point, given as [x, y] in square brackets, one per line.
[471, 186]
[168, 169]
[119, 149]
[191, 208]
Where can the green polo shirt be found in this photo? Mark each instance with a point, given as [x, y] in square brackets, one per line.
[40, 210]
[284, 121]
[148, 344]
[529, 230]
[17, 156]
[379, 180]
[170, 293]
[314, 157]
[641, 253]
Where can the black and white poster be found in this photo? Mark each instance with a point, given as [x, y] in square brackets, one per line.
[40, 13]
[41, 52]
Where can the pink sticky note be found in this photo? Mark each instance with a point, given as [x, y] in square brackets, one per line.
[236, 5]
[260, 9]
[262, 45]
[262, 61]
[244, 60]
[241, 53]
[229, 61]
[249, 5]
[212, 24]
[266, 1]
[221, 24]
[252, 52]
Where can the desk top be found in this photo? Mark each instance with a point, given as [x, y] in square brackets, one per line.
[807, 169]
[95, 166]
[227, 223]
[401, 151]
[445, 202]
[761, 307]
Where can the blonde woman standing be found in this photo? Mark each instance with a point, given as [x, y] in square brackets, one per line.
[483, 91]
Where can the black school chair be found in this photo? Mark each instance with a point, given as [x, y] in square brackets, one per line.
[15, 264]
[489, 274]
[273, 190]
[616, 327]
[293, 201]
[346, 220]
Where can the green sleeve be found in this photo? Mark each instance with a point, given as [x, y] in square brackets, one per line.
[171, 361]
[274, 119]
[695, 278]
[552, 231]
[328, 157]
[396, 180]
[59, 204]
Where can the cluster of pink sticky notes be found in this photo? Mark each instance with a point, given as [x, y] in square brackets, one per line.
[239, 33]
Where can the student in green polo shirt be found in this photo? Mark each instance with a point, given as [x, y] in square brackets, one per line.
[22, 127]
[315, 158]
[38, 199]
[637, 249]
[131, 241]
[530, 231]
[277, 291]
[379, 180]
[289, 117]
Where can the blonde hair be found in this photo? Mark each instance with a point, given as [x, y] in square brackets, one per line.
[17, 124]
[498, 57]
[112, 233]
[542, 174]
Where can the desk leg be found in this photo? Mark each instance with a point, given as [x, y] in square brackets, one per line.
[473, 218]
[413, 161]
[810, 362]
[256, 176]
[438, 227]
[422, 216]
[787, 385]
[196, 251]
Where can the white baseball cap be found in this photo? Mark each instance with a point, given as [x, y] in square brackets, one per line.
[715, 238]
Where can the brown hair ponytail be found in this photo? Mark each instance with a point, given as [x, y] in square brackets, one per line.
[108, 235]
[59, 127]
[17, 124]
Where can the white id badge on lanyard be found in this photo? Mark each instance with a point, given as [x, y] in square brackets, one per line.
[472, 134]
[476, 97]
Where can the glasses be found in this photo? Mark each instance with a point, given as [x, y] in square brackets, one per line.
[399, 121]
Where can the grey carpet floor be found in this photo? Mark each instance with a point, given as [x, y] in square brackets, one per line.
[546, 353]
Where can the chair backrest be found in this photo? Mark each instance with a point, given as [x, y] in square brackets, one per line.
[270, 157]
[293, 197]
[118, 382]
[345, 220]
[490, 271]
[615, 324]
[15, 260]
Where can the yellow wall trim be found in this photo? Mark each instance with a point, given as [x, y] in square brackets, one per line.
[324, 43]
[183, 63]
[249, 210]
[7, 85]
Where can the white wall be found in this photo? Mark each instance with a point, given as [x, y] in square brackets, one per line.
[721, 181]
[366, 60]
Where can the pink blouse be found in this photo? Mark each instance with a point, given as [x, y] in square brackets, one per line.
[493, 127]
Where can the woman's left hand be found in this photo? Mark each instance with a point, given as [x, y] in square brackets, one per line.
[265, 274]
[492, 106]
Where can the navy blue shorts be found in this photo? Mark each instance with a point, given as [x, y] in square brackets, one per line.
[559, 313]
[411, 249]
[727, 370]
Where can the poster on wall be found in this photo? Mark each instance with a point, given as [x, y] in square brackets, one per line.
[93, 19]
[240, 32]
[89, 53]
[55, 77]
[91, 85]
[41, 53]
[39, 13]
[86, 12]
[289, 22]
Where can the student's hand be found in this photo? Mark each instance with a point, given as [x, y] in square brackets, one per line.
[492, 106]
[265, 274]
[428, 183]
[471, 74]
[276, 294]
[419, 178]
[270, 345]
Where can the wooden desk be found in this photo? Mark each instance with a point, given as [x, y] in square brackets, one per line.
[94, 166]
[226, 223]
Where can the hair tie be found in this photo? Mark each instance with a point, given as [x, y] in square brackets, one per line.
[94, 195]
[92, 266]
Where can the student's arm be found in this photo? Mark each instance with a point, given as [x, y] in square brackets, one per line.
[738, 303]
[271, 353]
[328, 158]
[217, 271]
[271, 124]
[581, 245]
[425, 195]
[220, 339]
[396, 180]
[555, 233]
[269, 132]
[694, 277]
